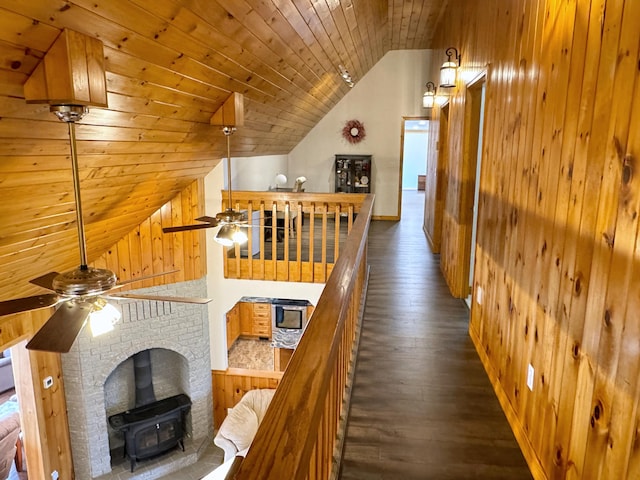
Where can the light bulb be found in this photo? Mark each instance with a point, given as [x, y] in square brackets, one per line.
[239, 236]
[103, 317]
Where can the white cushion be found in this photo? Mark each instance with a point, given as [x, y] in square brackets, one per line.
[259, 401]
[240, 426]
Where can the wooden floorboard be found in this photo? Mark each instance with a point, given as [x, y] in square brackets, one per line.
[422, 406]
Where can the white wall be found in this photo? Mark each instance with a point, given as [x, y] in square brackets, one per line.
[256, 173]
[392, 89]
[226, 292]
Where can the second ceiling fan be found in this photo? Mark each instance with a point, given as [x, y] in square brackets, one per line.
[229, 220]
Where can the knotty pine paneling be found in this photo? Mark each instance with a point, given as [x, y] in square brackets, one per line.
[556, 254]
[147, 251]
[170, 64]
[229, 386]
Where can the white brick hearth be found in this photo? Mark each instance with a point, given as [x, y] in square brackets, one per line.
[178, 335]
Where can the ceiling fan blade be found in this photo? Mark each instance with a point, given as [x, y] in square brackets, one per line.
[146, 277]
[160, 298]
[206, 218]
[25, 304]
[185, 228]
[209, 222]
[61, 330]
[45, 280]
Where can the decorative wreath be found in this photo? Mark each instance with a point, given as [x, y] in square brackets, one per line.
[353, 131]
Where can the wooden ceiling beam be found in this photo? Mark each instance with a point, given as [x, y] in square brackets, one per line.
[231, 113]
[71, 73]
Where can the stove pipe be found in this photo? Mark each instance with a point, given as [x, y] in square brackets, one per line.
[143, 378]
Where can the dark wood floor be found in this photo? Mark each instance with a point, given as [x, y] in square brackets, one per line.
[422, 405]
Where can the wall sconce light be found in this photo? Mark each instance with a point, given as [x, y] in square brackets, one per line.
[346, 76]
[449, 69]
[429, 95]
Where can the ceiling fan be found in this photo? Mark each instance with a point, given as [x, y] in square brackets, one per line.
[82, 291]
[229, 219]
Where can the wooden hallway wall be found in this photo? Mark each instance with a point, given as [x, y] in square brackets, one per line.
[556, 256]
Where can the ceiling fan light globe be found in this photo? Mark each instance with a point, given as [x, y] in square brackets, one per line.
[103, 317]
[225, 236]
[239, 236]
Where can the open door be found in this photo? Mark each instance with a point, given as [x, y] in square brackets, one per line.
[474, 127]
[436, 178]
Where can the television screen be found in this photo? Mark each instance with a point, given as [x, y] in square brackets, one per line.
[290, 319]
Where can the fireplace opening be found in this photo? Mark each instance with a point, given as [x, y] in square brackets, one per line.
[143, 426]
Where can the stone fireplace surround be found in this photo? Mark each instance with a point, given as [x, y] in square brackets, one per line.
[98, 381]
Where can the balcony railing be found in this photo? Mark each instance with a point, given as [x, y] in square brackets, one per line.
[294, 237]
[299, 435]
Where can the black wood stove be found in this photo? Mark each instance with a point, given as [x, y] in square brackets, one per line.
[152, 429]
[154, 426]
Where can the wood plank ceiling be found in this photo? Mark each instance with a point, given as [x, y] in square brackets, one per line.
[170, 65]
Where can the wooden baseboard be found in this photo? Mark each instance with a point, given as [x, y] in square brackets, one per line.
[521, 437]
[389, 218]
[432, 245]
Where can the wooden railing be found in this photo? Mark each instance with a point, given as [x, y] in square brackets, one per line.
[298, 436]
[294, 237]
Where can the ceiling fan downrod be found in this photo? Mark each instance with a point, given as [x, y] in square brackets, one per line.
[229, 215]
[70, 114]
[228, 131]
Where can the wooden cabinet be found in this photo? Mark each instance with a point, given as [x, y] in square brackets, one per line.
[233, 325]
[281, 357]
[255, 319]
[246, 318]
[261, 321]
[353, 173]
[422, 182]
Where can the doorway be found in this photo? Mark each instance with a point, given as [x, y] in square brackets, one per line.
[414, 140]
[474, 113]
[437, 180]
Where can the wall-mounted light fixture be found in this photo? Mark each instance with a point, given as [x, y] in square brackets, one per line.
[346, 76]
[449, 69]
[429, 95]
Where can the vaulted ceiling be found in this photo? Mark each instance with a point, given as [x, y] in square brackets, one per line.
[170, 65]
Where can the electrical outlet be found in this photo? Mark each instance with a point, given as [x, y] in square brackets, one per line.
[479, 295]
[54, 475]
[530, 374]
[48, 382]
